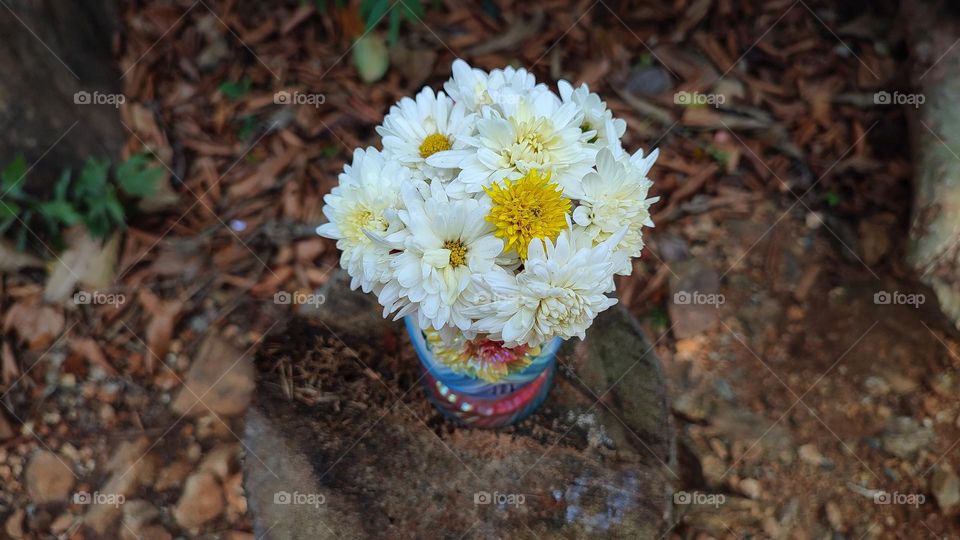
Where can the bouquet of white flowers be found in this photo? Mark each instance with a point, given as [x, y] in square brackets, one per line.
[495, 217]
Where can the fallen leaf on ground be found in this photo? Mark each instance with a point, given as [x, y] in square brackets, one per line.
[10, 369]
[36, 324]
[87, 261]
[88, 348]
[163, 317]
[12, 259]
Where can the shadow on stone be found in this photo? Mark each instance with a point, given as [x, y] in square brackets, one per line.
[341, 441]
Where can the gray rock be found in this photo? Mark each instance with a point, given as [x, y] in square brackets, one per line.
[904, 437]
[391, 466]
[648, 81]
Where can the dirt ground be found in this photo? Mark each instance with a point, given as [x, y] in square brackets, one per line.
[806, 405]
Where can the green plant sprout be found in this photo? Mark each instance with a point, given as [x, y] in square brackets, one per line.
[94, 197]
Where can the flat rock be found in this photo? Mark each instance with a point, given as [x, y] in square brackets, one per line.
[220, 380]
[49, 478]
[361, 453]
[201, 501]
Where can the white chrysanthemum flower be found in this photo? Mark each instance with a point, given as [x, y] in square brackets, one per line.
[365, 203]
[595, 114]
[416, 129]
[559, 292]
[614, 197]
[538, 133]
[445, 243]
[475, 88]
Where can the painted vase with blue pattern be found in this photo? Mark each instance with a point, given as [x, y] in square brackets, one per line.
[475, 402]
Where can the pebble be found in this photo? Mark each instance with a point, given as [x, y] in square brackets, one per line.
[172, 475]
[233, 491]
[810, 454]
[62, 523]
[49, 479]
[222, 460]
[904, 437]
[139, 513]
[834, 516]
[713, 470]
[751, 488]
[201, 501]
[945, 487]
[876, 386]
[14, 524]
[691, 406]
[944, 384]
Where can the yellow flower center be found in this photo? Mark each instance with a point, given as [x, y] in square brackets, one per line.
[530, 142]
[361, 220]
[437, 142]
[528, 208]
[458, 252]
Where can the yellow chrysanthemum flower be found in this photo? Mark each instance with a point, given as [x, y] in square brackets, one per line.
[530, 207]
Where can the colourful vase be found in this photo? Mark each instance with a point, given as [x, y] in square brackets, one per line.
[479, 384]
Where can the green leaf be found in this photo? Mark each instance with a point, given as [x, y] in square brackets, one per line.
[22, 235]
[5, 224]
[12, 176]
[375, 9]
[60, 188]
[412, 9]
[234, 90]
[93, 179]
[115, 210]
[9, 210]
[393, 32]
[136, 177]
[371, 58]
[247, 127]
[97, 221]
[60, 212]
